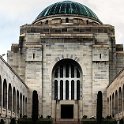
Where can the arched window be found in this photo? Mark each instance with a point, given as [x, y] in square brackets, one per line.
[0, 91]
[72, 71]
[67, 70]
[78, 74]
[14, 100]
[10, 97]
[66, 80]
[56, 73]
[61, 71]
[4, 94]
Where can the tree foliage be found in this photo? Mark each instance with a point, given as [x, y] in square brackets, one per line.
[35, 106]
[99, 108]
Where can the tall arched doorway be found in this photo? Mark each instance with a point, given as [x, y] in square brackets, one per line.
[66, 87]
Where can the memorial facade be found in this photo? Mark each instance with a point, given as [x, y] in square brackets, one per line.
[67, 55]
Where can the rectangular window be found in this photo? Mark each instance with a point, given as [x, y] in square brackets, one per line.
[78, 90]
[61, 90]
[72, 90]
[67, 90]
[56, 90]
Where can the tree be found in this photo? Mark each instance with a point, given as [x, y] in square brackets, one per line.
[99, 108]
[34, 106]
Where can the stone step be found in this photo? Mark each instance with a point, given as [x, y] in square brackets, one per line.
[66, 122]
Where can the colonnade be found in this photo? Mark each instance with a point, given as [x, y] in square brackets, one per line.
[13, 99]
[116, 101]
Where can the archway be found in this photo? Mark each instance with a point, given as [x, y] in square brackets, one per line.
[120, 100]
[14, 100]
[4, 94]
[66, 87]
[66, 80]
[116, 102]
[21, 105]
[18, 102]
[10, 98]
[0, 91]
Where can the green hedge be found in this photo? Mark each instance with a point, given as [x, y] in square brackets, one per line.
[88, 121]
[109, 122]
[93, 121]
[39, 121]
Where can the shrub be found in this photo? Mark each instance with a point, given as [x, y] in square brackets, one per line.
[48, 117]
[41, 116]
[2, 121]
[24, 116]
[13, 121]
[85, 116]
[108, 117]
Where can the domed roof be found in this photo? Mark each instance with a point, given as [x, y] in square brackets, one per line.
[68, 7]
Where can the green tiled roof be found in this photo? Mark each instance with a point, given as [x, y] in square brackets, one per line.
[68, 7]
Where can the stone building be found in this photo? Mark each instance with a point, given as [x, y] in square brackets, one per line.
[67, 55]
[13, 93]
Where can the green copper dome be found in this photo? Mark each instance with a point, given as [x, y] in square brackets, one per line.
[68, 7]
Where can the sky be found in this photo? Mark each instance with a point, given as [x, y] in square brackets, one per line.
[14, 13]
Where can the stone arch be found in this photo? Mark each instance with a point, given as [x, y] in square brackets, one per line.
[10, 97]
[20, 104]
[113, 104]
[66, 74]
[123, 97]
[23, 105]
[0, 91]
[26, 106]
[116, 102]
[17, 102]
[110, 106]
[5, 94]
[108, 111]
[14, 100]
[120, 100]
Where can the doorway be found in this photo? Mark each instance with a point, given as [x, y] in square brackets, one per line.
[67, 111]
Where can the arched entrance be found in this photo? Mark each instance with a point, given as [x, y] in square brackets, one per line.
[66, 87]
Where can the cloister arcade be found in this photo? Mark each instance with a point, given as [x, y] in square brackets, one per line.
[13, 93]
[115, 97]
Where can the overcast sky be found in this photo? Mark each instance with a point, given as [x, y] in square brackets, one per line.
[14, 13]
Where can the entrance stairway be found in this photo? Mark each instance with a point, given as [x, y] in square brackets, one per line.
[67, 122]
